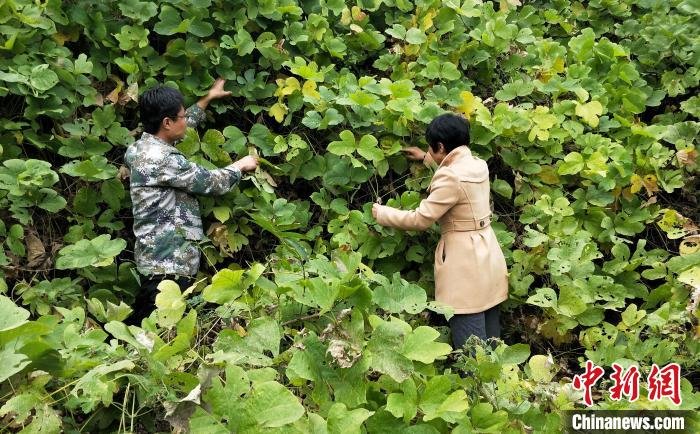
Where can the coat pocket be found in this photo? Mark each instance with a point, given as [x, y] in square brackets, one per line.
[440, 252]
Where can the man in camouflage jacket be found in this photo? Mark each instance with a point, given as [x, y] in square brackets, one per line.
[167, 221]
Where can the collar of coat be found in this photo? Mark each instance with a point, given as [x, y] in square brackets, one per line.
[153, 138]
[455, 154]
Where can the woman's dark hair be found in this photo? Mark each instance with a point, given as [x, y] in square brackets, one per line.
[448, 129]
[157, 104]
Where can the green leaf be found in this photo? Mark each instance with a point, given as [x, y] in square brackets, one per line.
[341, 420]
[483, 417]
[543, 297]
[515, 354]
[692, 106]
[95, 169]
[502, 188]
[170, 22]
[98, 252]
[420, 345]
[11, 315]
[138, 10]
[113, 192]
[272, 405]
[515, 89]
[398, 295]
[590, 112]
[85, 202]
[367, 148]
[42, 78]
[415, 36]
[225, 286]
[170, 303]
[437, 401]
[541, 368]
[404, 404]
[255, 347]
[572, 164]
[384, 345]
[344, 146]
[11, 363]
[82, 65]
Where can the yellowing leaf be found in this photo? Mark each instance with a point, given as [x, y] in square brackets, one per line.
[427, 21]
[469, 103]
[650, 184]
[559, 65]
[287, 86]
[687, 157]
[589, 112]
[690, 245]
[309, 90]
[222, 213]
[170, 303]
[278, 111]
[672, 222]
[549, 175]
[636, 184]
[355, 28]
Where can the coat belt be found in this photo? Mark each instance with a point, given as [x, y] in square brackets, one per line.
[465, 225]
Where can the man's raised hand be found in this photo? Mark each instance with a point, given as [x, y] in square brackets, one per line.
[215, 92]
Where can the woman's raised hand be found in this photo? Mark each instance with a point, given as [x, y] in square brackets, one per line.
[414, 153]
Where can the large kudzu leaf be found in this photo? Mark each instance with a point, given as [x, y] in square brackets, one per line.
[97, 252]
[398, 295]
[170, 303]
[140, 11]
[95, 169]
[420, 345]
[42, 78]
[171, 22]
[273, 405]
[341, 420]
[11, 315]
[225, 286]
[385, 345]
[256, 346]
[439, 401]
[11, 363]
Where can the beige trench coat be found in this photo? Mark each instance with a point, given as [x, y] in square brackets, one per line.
[470, 269]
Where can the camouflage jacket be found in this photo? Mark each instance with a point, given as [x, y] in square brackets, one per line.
[167, 220]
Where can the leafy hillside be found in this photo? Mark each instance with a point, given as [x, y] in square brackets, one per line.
[309, 317]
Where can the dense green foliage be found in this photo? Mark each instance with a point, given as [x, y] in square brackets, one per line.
[308, 317]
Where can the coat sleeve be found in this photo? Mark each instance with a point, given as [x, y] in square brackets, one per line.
[444, 193]
[429, 162]
[178, 172]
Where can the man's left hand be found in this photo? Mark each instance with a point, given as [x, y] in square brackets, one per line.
[217, 91]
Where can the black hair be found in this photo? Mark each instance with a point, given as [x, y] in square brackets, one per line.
[157, 104]
[450, 130]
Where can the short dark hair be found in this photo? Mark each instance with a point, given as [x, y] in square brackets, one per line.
[450, 130]
[157, 104]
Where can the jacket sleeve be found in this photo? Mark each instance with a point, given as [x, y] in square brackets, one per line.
[444, 193]
[177, 171]
[194, 116]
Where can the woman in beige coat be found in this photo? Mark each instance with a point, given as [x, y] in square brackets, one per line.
[470, 269]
